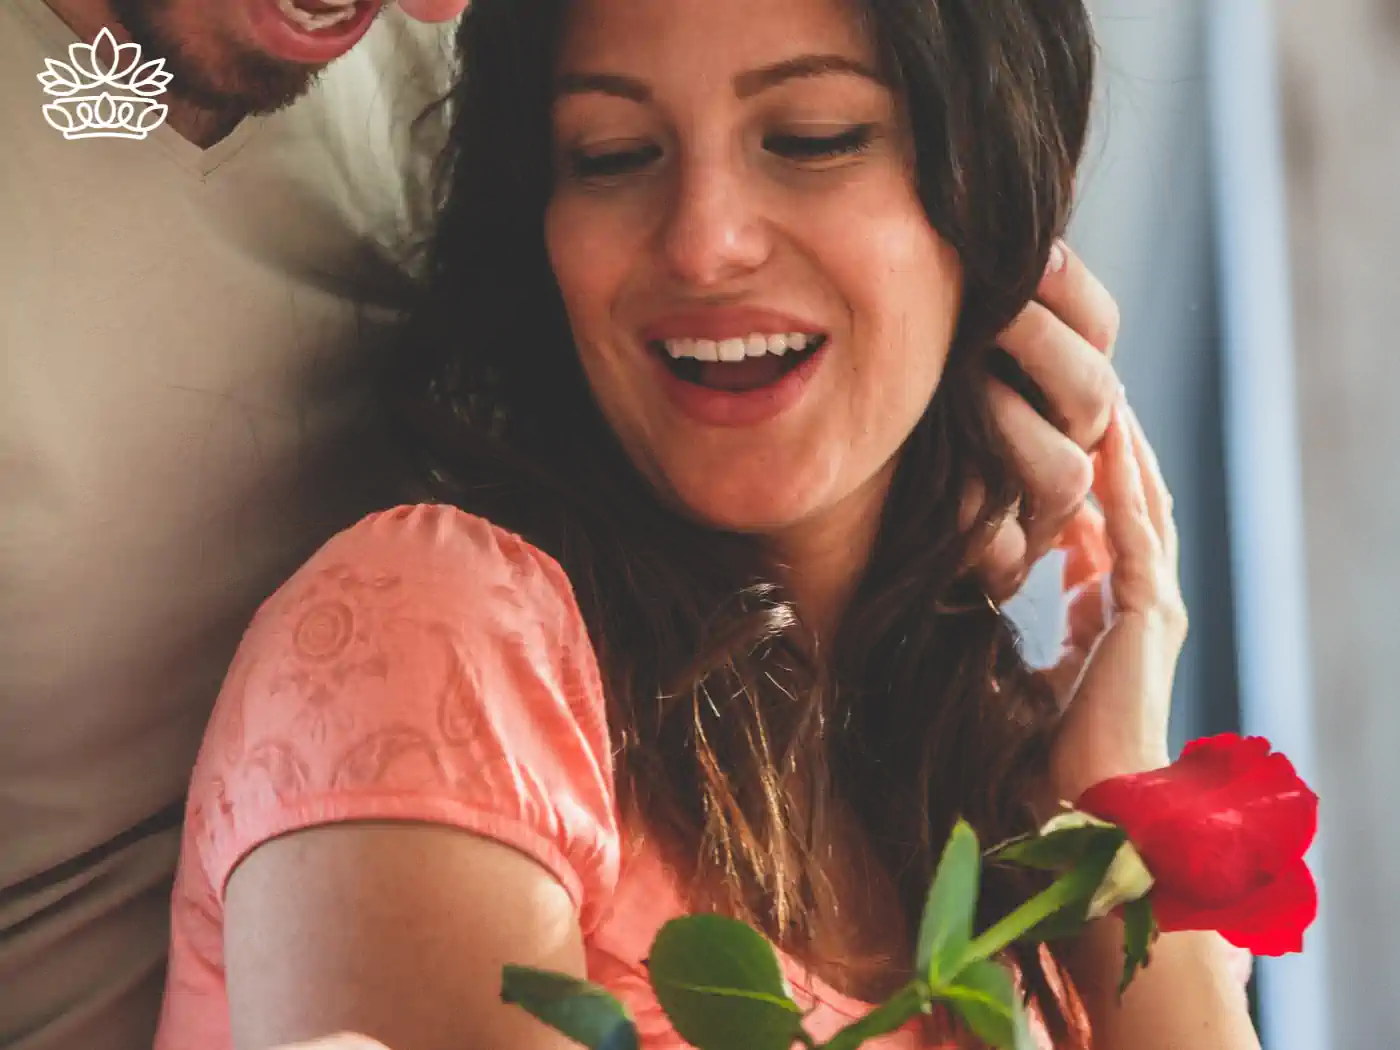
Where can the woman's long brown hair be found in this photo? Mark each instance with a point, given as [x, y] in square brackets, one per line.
[737, 745]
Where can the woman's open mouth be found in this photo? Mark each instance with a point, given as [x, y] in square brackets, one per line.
[738, 381]
[310, 32]
[739, 365]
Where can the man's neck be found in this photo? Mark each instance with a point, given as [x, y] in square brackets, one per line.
[201, 126]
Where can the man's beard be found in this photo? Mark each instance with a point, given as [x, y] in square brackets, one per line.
[212, 74]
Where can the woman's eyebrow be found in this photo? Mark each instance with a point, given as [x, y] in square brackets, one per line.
[602, 83]
[746, 84]
[756, 80]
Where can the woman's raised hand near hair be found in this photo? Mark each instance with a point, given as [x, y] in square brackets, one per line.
[1116, 723]
[1063, 341]
[1117, 715]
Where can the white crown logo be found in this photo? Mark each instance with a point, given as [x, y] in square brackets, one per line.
[88, 85]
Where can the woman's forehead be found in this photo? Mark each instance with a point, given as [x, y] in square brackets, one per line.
[711, 39]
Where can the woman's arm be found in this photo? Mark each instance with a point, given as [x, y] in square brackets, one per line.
[1189, 997]
[395, 931]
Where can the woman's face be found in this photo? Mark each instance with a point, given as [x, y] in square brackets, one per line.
[759, 303]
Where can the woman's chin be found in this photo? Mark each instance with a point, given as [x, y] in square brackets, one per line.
[759, 515]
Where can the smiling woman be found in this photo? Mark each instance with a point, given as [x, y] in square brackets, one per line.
[698, 376]
[781, 207]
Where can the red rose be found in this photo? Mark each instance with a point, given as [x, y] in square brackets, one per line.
[1223, 831]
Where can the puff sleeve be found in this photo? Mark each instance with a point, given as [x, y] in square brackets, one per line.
[424, 666]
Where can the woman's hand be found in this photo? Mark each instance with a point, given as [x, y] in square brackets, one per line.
[343, 1041]
[1192, 994]
[1118, 689]
[1062, 341]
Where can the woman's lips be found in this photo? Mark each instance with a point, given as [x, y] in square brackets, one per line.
[717, 407]
[282, 38]
[740, 403]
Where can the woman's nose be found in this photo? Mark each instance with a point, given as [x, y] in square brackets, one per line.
[714, 230]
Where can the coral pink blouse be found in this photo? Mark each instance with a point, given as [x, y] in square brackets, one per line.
[426, 665]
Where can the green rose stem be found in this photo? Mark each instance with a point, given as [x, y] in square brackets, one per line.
[890, 1016]
[1076, 885]
[720, 981]
[916, 997]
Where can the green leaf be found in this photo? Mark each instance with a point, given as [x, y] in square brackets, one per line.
[1059, 850]
[949, 909]
[721, 985]
[889, 1016]
[1139, 931]
[985, 997]
[584, 1012]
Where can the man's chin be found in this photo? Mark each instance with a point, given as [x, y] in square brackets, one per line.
[255, 89]
[208, 71]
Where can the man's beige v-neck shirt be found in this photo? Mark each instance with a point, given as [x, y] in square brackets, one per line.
[185, 338]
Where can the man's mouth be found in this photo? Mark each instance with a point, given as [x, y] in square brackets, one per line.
[738, 365]
[316, 16]
[309, 32]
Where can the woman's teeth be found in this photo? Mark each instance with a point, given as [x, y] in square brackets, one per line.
[313, 21]
[755, 345]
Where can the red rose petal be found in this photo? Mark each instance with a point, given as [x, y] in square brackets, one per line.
[1241, 773]
[1228, 789]
[1270, 921]
[1213, 864]
[1223, 831]
[1218, 760]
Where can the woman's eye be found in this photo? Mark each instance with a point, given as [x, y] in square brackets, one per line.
[606, 164]
[820, 147]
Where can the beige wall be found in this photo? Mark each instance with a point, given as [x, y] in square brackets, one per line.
[1340, 79]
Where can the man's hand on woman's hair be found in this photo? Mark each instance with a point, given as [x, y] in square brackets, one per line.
[1063, 341]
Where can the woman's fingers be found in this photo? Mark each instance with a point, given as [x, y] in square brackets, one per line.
[1002, 564]
[1057, 472]
[344, 1041]
[1086, 550]
[1158, 496]
[1078, 380]
[1062, 341]
[1080, 300]
[1137, 513]
[1137, 549]
[1088, 616]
